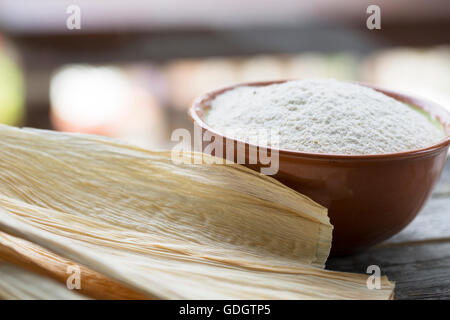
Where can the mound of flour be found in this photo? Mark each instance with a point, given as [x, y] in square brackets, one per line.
[323, 116]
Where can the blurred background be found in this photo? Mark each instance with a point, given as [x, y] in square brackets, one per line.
[134, 67]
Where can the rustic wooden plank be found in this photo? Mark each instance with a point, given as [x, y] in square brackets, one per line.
[420, 271]
[432, 224]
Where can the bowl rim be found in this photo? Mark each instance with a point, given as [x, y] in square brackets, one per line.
[432, 108]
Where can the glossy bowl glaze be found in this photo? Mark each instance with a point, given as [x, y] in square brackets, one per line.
[369, 197]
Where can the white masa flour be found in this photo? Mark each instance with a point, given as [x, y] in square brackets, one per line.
[323, 116]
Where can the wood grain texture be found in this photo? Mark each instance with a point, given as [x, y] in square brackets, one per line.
[430, 226]
[420, 271]
[418, 258]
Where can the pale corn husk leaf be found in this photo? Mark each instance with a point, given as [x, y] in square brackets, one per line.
[16, 283]
[36, 259]
[167, 230]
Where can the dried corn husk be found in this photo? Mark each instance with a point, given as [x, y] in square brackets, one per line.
[167, 230]
[36, 259]
[16, 283]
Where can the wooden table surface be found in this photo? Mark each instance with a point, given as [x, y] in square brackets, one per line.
[418, 258]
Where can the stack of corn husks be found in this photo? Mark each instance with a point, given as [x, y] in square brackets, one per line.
[88, 217]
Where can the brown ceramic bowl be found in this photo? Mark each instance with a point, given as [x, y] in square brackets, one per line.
[369, 197]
